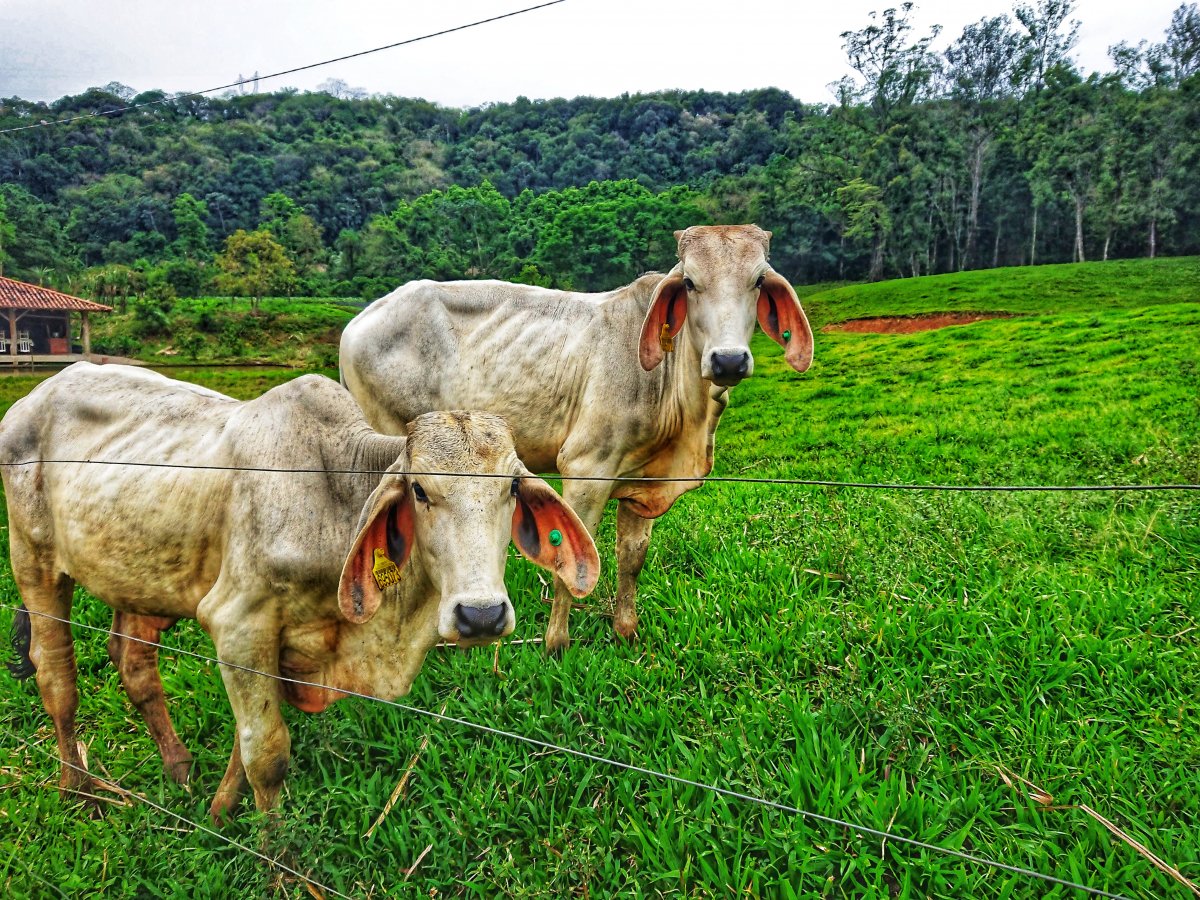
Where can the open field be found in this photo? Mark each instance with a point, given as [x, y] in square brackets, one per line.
[877, 656]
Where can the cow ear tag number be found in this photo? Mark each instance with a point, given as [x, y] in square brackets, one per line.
[384, 571]
[665, 340]
[555, 536]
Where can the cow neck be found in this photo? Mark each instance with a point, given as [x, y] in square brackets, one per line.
[371, 452]
[685, 391]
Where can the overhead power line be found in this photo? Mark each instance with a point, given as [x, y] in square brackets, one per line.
[257, 78]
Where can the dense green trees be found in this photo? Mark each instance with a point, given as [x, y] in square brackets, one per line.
[992, 151]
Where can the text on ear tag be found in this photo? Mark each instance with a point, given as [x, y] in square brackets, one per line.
[384, 571]
[665, 340]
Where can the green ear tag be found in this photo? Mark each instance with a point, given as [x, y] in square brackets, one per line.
[555, 537]
[787, 335]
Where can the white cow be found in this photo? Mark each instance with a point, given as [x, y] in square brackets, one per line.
[627, 384]
[288, 572]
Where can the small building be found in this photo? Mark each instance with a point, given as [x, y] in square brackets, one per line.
[38, 321]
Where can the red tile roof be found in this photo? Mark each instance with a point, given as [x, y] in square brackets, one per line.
[19, 295]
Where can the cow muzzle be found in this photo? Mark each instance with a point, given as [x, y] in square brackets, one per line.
[728, 367]
[478, 620]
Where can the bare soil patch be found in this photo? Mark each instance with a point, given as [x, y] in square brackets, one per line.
[910, 324]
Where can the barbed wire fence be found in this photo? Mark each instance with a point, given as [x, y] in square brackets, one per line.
[726, 792]
[635, 768]
[707, 479]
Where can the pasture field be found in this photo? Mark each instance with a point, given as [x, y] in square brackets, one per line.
[891, 658]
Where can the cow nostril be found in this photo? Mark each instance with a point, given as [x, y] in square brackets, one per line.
[474, 621]
[727, 367]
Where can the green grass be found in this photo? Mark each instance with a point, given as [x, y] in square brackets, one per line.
[869, 655]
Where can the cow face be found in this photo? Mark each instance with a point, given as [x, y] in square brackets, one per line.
[722, 284]
[458, 528]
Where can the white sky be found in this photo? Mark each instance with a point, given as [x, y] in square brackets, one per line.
[49, 48]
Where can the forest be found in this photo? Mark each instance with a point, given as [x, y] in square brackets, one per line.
[995, 150]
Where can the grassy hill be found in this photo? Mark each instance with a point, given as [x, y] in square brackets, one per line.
[886, 657]
[1082, 287]
[302, 332]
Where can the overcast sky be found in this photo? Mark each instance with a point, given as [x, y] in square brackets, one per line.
[49, 48]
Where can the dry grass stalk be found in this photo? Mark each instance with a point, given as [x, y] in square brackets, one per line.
[408, 872]
[402, 784]
[1043, 799]
[1141, 848]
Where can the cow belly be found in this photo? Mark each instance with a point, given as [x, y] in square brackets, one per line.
[167, 579]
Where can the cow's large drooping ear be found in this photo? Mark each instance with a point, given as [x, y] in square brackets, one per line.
[548, 533]
[783, 319]
[668, 309]
[380, 550]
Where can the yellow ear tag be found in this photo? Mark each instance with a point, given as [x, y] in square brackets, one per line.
[384, 571]
[665, 340]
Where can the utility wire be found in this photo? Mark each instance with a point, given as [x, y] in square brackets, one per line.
[630, 767]
[240, 82]
[146, 800]
[716, 479]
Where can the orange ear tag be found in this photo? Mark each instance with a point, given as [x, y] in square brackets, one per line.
[385, 572]
[665, 340]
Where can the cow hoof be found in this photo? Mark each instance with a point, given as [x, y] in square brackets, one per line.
[179, 770]
[556, 643]
[221, 810]
[626, 627]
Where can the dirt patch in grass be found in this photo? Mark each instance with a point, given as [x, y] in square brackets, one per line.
[909, 324]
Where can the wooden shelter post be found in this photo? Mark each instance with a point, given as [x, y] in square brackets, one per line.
[12, 332]
[85, 333]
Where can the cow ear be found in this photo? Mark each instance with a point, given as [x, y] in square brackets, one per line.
[783, 319]
[668, 309]
[549, 534]
[380, 550]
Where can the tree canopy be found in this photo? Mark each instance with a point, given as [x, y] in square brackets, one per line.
[995, 150]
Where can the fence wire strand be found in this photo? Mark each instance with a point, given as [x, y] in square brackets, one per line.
[715, 479]
[197, 825]
[619, 764]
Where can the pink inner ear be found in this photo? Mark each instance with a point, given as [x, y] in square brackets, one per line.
[539, 513]
[670, 309]
[391, 530]
[779, 311]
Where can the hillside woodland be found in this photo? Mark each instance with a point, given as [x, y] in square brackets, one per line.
[994, 151]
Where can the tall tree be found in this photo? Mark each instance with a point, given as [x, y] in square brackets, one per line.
[896, 72]
[191, 239]
[253, 265]
[8, 234]
[981, 75]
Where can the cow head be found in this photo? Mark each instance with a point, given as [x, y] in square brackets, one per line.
[457, 529]
[722, 283]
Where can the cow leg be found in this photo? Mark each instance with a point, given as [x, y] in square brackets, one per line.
[232, 787]
[137, 664]
[52, 650]
[587, 499]
[633, 538]
[264, 745]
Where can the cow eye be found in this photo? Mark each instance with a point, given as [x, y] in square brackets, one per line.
[689, 284]
[761, 279]
[419, 492]
[516, 486]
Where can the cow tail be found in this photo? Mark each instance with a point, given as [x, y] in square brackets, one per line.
[22, 638]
